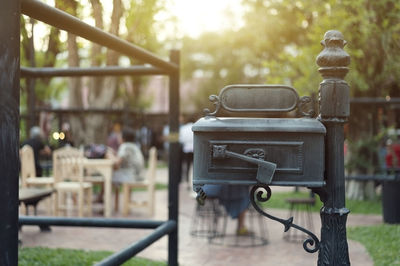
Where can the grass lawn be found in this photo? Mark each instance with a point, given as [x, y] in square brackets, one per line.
[381, 241]
[278, 201]
[65, 257]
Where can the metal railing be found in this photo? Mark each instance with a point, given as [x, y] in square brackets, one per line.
[158, 66]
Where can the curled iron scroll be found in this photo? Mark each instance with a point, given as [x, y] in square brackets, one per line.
[215, 100]
[305, 106]
[262, 193]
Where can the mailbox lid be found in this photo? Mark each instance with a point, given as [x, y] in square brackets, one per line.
[247, 124]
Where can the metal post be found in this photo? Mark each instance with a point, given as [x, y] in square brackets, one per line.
[334, 111]
[9, 130]
[30, 83]
[173, 189]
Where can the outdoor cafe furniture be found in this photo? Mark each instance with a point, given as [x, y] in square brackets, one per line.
[28, 173]
[68, 176]
[103, 167]
[28, 170]
[32, 196]
[300, 209]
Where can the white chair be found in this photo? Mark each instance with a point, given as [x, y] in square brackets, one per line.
[28, 170]
[28, 174]
[148, 184]
[68, 176]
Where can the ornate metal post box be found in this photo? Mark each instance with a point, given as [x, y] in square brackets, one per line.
[256, 150]
[259, 152]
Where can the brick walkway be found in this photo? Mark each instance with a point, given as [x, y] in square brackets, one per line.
[194, 250]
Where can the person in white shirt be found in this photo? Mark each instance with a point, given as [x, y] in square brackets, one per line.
[186, 141]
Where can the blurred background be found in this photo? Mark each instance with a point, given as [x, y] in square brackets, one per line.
[221, 42]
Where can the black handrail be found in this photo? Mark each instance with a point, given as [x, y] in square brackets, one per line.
[121, 256]
[64, 21]
[89, 222]
[67, 22]
[46, 72]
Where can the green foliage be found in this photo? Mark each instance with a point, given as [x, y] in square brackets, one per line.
[281, 39]
[45, 55]
[381, 241]
[362, 153]
[141, 24]
[141, 28]
[63, 257]
[278, 201]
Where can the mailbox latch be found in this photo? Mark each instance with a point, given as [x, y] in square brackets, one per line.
[265, 170]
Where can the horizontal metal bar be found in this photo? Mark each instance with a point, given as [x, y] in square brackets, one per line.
[371, 100]
[121, 256]
[45, 72]
[89, 222]
[69, 23]
[111, 111]
[371, 177]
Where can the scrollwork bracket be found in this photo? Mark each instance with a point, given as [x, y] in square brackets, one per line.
[305, 106]
[216, 101]
[310, 245]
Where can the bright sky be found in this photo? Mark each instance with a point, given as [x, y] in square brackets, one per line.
[197, 16]
[193, 17]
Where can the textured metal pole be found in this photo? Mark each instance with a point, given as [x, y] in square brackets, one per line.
[9, 130]
[334, 111]
[30, 83]
[173, 189]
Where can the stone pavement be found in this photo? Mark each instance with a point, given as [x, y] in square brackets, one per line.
[195, 250]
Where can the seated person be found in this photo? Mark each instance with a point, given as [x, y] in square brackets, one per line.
[235, 199]
[130, 162]
[36, 141]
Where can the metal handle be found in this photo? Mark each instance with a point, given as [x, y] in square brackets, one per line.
[265, 170]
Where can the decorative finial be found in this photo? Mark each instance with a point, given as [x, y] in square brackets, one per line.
[333, 60]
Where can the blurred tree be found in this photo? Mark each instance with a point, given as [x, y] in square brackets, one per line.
[44, 55]
[104, 92]
[280, 40]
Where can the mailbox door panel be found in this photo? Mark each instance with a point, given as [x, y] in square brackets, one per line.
[297, 156]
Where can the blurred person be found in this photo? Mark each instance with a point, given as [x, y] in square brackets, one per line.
[144, 139]
[235, 199]
[114, 139]
[186, 141]
[165, 140]
[129, 163]
[36, 141]
[67, 140]
[392, 154]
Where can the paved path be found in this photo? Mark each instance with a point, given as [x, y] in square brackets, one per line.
[194, 250]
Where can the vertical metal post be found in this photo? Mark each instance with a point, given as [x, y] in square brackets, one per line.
[30, 83]
[173, 165]
[334, 111]
[9, 130]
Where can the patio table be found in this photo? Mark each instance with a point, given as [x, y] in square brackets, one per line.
[103, 167]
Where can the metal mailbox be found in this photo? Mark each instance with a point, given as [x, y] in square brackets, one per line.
[258, 150]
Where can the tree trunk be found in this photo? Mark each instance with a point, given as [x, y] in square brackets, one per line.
[75, 83]
[102, 90]
[92, 128]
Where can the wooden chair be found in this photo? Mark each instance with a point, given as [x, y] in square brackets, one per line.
[28, 170]
[68, 176]
[148, 184]
[28, 174]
